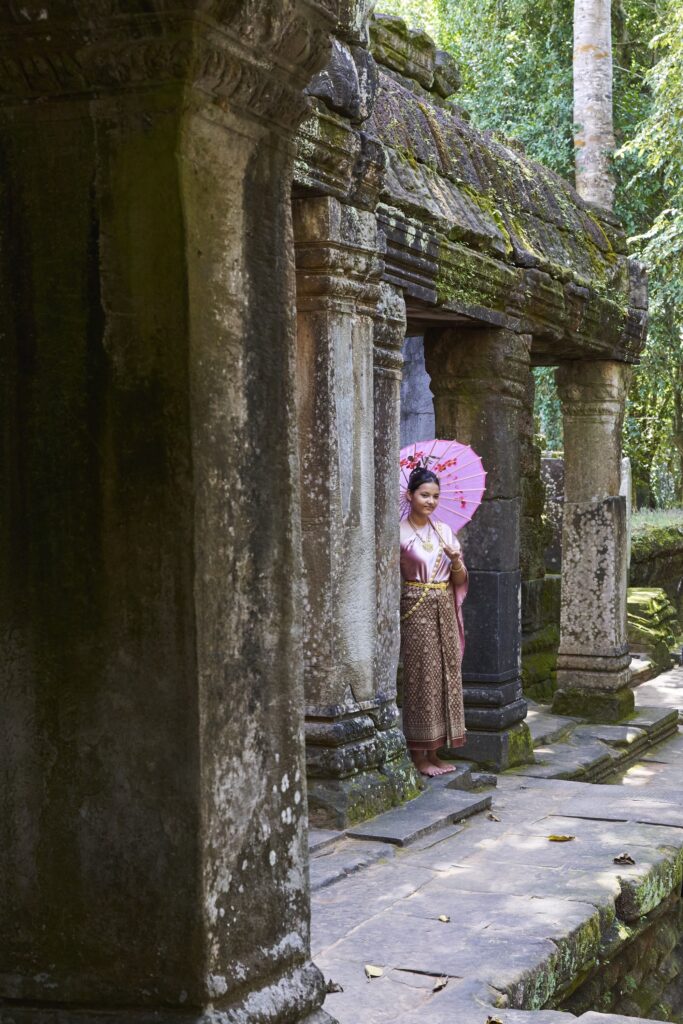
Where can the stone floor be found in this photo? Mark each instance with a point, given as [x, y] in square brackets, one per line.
[465, 908]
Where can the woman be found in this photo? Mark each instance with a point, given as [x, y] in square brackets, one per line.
[432, 640]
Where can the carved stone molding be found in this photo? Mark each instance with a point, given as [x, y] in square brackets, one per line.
[337, 260]
[501, 367]
[592, 389]
[389, 332]
[257, 58]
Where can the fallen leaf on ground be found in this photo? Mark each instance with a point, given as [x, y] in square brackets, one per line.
[373, 972]
[560, 839]
[493, 817]
[493, 1020]
[624, 858]
[333, 986]
[444, 918]
[439, 984]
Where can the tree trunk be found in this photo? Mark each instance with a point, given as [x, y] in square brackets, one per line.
[594, 134]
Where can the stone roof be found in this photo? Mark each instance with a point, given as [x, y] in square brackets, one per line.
[472, 226]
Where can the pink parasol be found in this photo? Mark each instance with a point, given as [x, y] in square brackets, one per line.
[460, 473]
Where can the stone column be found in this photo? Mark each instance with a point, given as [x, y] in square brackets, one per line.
[356, 756]
[478, 377]
[540, 625]
[153, 859]
[389, 333]
[593, 662]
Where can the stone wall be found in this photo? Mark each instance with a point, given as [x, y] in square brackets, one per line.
[644, 977]
[417, 401]
[657, 558]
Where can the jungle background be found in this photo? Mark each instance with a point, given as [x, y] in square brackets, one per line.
[515, 58]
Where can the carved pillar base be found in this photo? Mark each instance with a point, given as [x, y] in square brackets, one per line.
[357, 765]
[478, 378]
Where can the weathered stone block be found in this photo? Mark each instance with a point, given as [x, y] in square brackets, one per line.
[492, 627]
[593, 618]
[500, 750]
[491, 541]
[408, 51]
[447, 77]
[594, 705]
[348, 84]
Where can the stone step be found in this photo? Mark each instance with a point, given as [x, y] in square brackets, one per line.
[344, 858]
[545, 727]
[319, 838]
[434, 809]
[596, 752]
[642, 670]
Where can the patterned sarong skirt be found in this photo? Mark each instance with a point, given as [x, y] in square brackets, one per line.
[433, 712]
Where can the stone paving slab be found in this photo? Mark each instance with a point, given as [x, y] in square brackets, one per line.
[610, 1018]
[665, 691]
[430, 811]
[546, 727]
[339, 909]
[521, 911]
[343, 859]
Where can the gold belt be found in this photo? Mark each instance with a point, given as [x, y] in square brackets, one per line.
[426, 586]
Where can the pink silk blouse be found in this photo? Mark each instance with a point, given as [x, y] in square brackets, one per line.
[417, 564]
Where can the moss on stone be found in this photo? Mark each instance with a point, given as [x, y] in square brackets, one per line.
[338, 803]
[520, 746]
[594, 706]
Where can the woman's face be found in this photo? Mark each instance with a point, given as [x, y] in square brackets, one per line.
[424, 500]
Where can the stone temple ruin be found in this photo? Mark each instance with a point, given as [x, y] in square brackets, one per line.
[217, 234]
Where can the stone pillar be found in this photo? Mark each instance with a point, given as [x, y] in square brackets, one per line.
[389, 333]
[593, 661]
[478, 377]
[153, 860]
[356, 756]
[540, 628]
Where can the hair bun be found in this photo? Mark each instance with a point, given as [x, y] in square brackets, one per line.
[421, 476]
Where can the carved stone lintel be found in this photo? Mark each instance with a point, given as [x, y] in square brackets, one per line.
[258, 61]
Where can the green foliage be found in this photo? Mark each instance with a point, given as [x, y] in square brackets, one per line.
[516, 61]
[655, 425]
[547, 410]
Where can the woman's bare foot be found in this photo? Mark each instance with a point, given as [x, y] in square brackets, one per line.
[443, 766]
[425, 766]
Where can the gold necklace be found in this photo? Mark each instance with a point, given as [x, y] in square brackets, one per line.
[426, 544]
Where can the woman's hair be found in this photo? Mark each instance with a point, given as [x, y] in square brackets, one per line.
[421, 476]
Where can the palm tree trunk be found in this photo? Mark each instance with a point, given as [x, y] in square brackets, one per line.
[594, 134]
